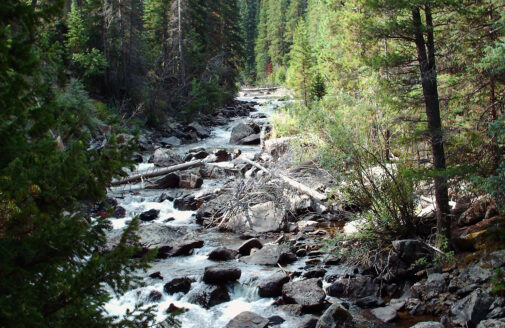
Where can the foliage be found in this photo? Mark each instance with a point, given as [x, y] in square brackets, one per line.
[498, 282]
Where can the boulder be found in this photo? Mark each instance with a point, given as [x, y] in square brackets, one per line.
[354, 287]
[222, 254]
[239, 132]
[286, 258]
[165, 157]
[308, 293]
[119, 212]
[218, 170]
[472, 309]
[201, 131]
[308, 322]
[186, 203]
[492, 323]
[248, 320]
[170, 141]
[221, 155]
[497, 259]
[410, 250]
[476, 212]
[185, 247]
[276, 320]
[316, 273]
[209, 296]
[245, 248]
[337, 315]
[253, 139]
[178, 285]
[369, 302]
[156, 275]
[154, 296]
[169, 181]
[220, 274]
[150, 215]
[262, 218]
[190, 181]
[272, 286]
[385, 314]
[268, 255]
[428, 324]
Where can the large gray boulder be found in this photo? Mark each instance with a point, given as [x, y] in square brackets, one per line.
[261, 218]
[337, 315]
[354, 288]
[308, 322]
[178, 285]
[308, 293]
[209, 296]
[473, 308]
[222, 254]
[165, 157]
[272, 286]
[248, 320]
[240, 132]
[268, 255]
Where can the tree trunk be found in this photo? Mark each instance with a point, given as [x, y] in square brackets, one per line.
[428, 69]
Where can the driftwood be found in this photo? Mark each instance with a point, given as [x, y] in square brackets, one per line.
[295, 184]
[157, 173]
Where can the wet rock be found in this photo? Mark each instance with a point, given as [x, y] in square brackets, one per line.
[164, 196]
[292, 309]
[169, 181]
[186, 203]
[178, 285]
[248, 320]
[190, 181]
[475, 274]
[173, 309]
[150, 215]
[286, 258]
[119, 212]
[156, 275]
[410, 250]
[222, 254]
[275, 320]
[261, 218]
[369, 302]
[337, 315]
[239, 132]
[220, 274]
[222, 155]
[428, 324]
[317, 273]
[209, 296]
[473, 308]
[185, 247]
[201, 131]
[272, 286]
[195, 156]
[268, 255]
[218, 170]
[497, 259]
[308, 293]
[355, 287]
[432, 287]
[154, 296]
[385, 314]
[492, 323]
[165, 157]
[307, 322]
[245, 248]
[170, 141]
[253, 139]
[137, 158]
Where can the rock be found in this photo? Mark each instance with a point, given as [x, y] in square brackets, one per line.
[190, 181]
[164, 196]
[248, 320]
[369, 302]
[308, 293]
[154, 296]
[258, 115]
[172, 309]
[336, 315]
[169, 181]
[253, 139]
[268, 255]
[410, 250]
[265, 217]
[307, 322]
[475, 274]
[220, 274]
[186, 203]
[272, 286]
[178, 285]
[353, 288]
[119, 212]
[497, 259]
[150, 215]
[245, 248]
[185, 247]
[476, 212]
[385, 314]
[473, 308]
[222, 155]
[436, 283]
[170, 141]
[201, 131]
[492, 323]
[239, 132]
[156, 275]
[317, 273]
[209, 296]
[286, 258]
[222, 254]
[292, 309]
[275, 320]
[428, 324]
[137, 158]
[165, 157]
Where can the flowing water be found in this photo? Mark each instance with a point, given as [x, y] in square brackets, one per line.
[243, 294]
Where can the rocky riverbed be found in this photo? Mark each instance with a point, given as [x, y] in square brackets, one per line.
[239, 247]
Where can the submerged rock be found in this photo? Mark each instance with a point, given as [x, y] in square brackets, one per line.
[150, 215]
[178, 285]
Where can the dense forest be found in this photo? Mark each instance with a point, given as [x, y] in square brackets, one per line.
[401, 104]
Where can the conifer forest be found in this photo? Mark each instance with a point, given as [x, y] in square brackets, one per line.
[252, 163]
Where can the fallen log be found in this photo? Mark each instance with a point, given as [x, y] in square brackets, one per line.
[164, 171]
[295, 184]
